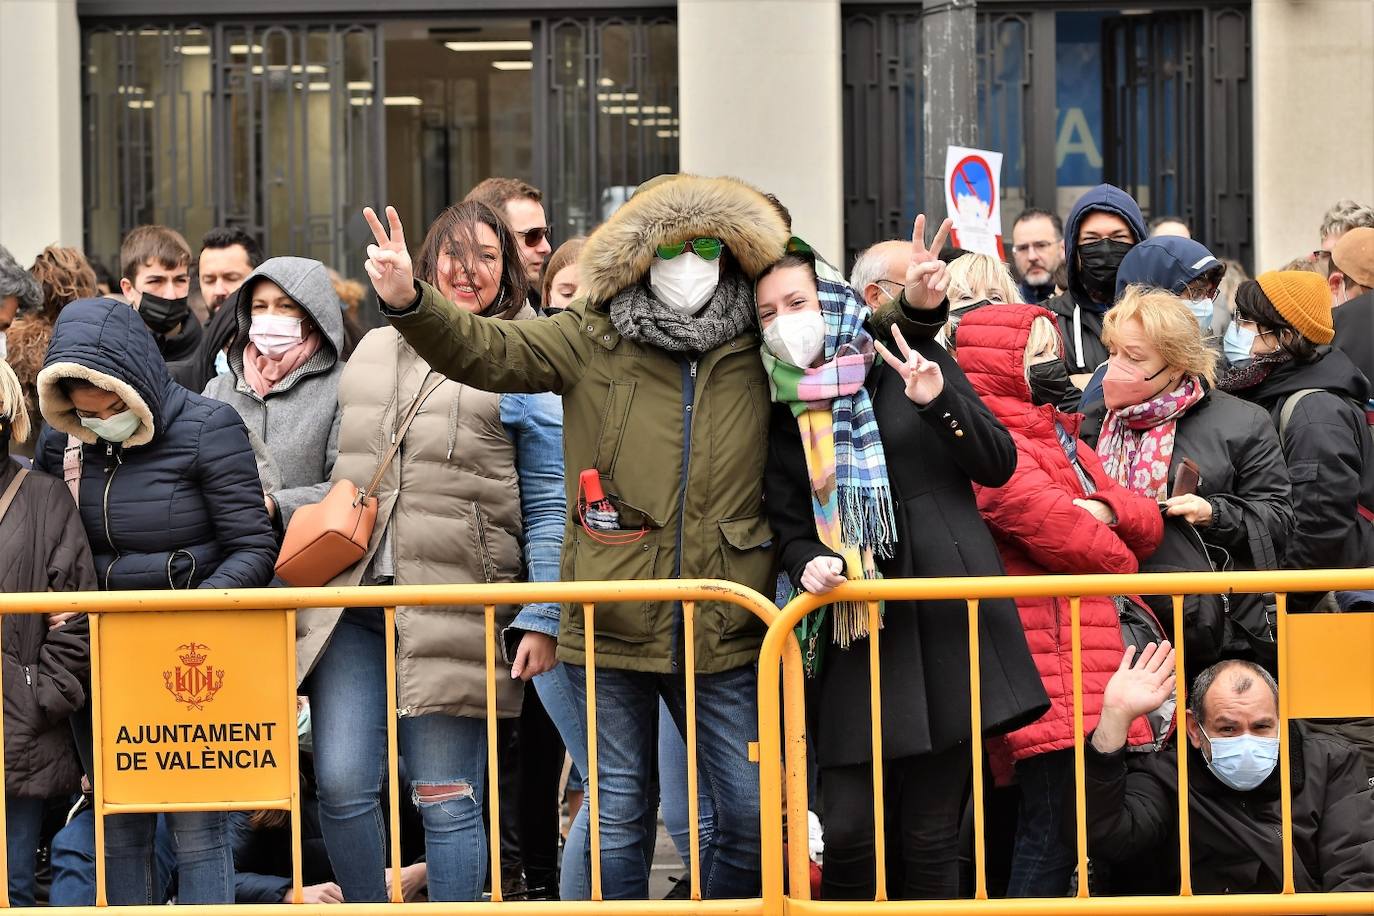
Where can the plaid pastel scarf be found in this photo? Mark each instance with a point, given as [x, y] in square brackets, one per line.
[851, 498]
[1137, 442]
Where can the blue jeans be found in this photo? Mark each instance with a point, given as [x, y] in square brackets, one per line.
[347, 693]
[1041, 861]
[727, 720]
[23, 824]
[561, 701]
[200, 842]
[672, 791]
[73, 862]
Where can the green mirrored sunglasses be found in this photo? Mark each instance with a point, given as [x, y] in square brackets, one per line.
[706, 249]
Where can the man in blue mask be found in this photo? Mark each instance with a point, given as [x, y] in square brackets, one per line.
[1234, 788]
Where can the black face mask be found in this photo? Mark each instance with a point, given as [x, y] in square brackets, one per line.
[1098, 262]
[959, 316]
[1049, 382]
[162, 316]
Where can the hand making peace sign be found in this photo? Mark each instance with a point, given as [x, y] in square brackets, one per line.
[388, 261]
[923, 378]
[926, 279]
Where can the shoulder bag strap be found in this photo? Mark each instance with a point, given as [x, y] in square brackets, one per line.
[72, 457]
[426, 389]
[11, 491]
[1290, 405]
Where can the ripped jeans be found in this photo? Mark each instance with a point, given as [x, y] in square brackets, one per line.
[446, 758]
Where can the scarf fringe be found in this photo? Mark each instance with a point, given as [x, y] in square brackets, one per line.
[867, 518]
[849, 622]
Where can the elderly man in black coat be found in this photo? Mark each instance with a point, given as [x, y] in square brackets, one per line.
[1234, 786]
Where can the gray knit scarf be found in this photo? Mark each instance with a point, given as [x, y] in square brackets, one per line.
[637, 315]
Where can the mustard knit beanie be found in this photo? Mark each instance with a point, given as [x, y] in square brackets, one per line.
[1304, 299]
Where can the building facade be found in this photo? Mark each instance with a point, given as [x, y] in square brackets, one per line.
[286, 117]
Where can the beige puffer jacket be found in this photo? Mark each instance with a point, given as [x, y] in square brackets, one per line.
[452, 499]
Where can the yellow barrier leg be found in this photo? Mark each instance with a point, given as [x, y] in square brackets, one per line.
[975, 705]
[1185, 860]
[794, 718]
[297, 880]
[1079, 763]
[1286, 766]
[98, 793]
[593, 781]
[392, 756]
[693, 803]
[876, 725]
[493, 779]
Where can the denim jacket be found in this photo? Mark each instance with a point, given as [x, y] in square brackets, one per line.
[534, 423]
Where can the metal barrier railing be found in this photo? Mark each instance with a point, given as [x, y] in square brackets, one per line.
[1331, 657]
[1326, 669]
[283, 604]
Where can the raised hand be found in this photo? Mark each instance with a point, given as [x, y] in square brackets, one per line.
[926, 279]
[923, 378]
[388, 261]
[1139, 686]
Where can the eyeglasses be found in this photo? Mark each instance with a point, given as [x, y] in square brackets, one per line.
[707, 249]
[1202, 288]
[1038, 247]
[533, 237]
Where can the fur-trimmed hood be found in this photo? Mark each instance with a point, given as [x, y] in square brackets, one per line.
[106, 343]
[674, 208]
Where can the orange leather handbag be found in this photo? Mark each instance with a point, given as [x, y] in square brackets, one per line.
[327, 537]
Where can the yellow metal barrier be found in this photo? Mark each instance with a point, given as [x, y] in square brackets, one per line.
[148, 606]
[1331, 657]
[1327, 669]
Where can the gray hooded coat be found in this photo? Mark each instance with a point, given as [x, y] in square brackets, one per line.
[298, 420]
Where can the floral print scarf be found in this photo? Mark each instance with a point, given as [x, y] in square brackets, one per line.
[1137, 442]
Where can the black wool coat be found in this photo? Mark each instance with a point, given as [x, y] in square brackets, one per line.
[934, 455]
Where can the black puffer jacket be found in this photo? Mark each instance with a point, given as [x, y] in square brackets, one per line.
[42, 548]
[1243, 476]
[1330, 458]
[179, 503]
[1235, 836]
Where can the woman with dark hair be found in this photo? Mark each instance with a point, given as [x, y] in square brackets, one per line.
[1316, 399]
[872, 462]
[475, 494]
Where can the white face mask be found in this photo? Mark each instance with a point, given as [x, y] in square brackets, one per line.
[273, 335]
[684, 283]
[796, 338]
[113, 429]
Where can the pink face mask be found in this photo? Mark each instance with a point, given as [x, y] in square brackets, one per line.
[1125, 385]
[274, 334]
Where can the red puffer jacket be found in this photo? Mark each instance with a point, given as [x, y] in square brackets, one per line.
[1039, 530]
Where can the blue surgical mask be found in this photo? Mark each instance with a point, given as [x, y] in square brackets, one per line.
[222, 362]
[1202, 311]
[1242, 762]
[1238, 343]
[114, 429]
